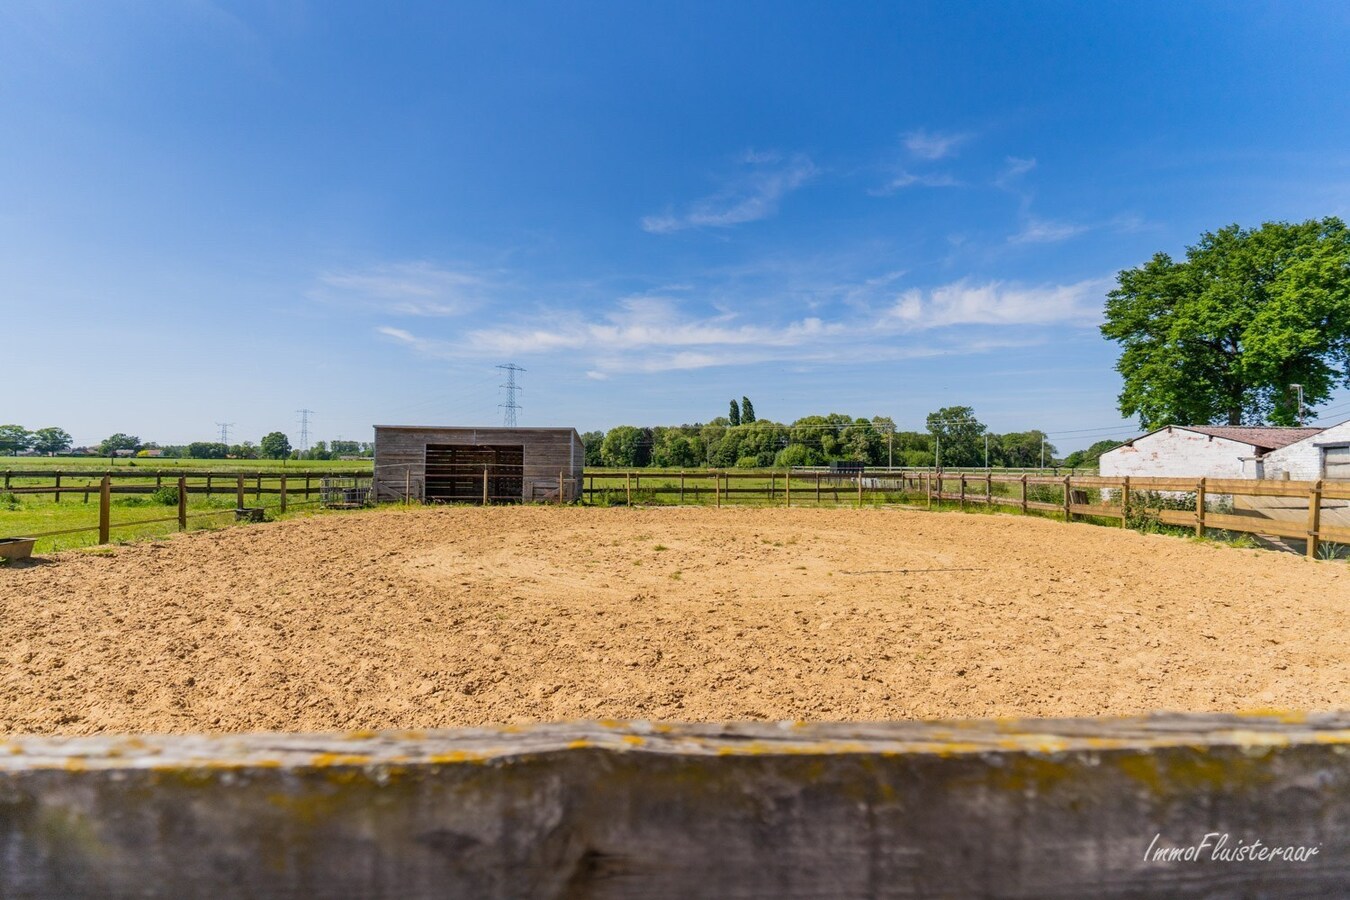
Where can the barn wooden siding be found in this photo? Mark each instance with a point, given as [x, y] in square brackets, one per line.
[400, 458]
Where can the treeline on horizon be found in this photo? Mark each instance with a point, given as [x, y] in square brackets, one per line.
[741, 440]
[53, 441]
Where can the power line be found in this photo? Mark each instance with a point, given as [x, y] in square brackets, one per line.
[510, 407]
[304, 428]
[225, 432]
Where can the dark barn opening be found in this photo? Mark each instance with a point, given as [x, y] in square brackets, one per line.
[446, 464]
[454, 472]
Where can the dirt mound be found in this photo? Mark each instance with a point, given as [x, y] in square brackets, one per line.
[429, 618]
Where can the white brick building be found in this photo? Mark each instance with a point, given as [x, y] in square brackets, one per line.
[1325, 454]
[1196, 451]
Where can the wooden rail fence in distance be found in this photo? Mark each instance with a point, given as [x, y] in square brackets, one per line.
[1070, 497]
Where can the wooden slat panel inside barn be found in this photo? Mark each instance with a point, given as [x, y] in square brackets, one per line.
[448, 465]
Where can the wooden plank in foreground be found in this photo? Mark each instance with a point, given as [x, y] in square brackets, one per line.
[1037, 808]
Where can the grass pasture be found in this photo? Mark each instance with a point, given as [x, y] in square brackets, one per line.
[26, 510]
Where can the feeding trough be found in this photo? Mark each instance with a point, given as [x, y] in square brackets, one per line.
[16, 548]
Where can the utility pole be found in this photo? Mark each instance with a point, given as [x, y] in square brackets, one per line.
[225, 432]
[304, 427]
[510, 407]
[1299, 389]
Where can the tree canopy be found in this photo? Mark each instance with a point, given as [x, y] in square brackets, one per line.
[275, 445]
[1221, 336]
[14, 439]
[110, 445]
[51, 440]
[959, 435]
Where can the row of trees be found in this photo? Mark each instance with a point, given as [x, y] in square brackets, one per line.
[52, 441]
[15, 439]
[955, 437]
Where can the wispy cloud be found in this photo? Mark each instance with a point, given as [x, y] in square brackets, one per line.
[1046, 231]
[1016, 167]
[925, 144]
[752, 196]
[909, 179]
[650, 334]
[410, 289]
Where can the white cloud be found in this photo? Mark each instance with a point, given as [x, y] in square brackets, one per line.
[1045, 231]
[754, 196]
[925, 144]
[410, 289]
[1015, 167]
[996, 303]
[653, 334]
[909, 179]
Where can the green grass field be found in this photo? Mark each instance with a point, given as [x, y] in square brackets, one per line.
[104, 464]
[25, 511]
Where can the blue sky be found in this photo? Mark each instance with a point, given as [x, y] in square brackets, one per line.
[228, 212]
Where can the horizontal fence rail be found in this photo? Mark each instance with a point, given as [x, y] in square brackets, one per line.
[313, 487]
[1209, 502]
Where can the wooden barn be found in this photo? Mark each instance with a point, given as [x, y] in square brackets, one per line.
[477, 465]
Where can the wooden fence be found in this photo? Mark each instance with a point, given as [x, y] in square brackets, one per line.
[1070, 496]
[282, 486]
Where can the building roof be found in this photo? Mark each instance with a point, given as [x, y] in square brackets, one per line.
[1261, 437]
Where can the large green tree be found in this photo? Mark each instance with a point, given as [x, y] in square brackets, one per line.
[51, 440]
[14, 439]
[958, 435]
[275, 445]
[1221, 336]
[110, 445]
[626, 446]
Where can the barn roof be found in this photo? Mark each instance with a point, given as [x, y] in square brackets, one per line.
[1261, 437]
[1264, 438]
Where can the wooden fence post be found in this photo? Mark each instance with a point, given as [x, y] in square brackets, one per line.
[1024, 493]
[485, 485]
[628, 486]
[182, 503]
[1200, 509]
[963, 492]
[928, 486]
[682, 487]
[989, 489]
[860, 490]
[104, 509]
[1125, 503]
[817, 489]
[56, 495]
[560, 487]
[257, 489]
[283, 493]
[1068, 498]
[239, 492]
[773, 485]
[1314, 517]
[787, 488]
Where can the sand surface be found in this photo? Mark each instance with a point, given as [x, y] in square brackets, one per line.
[427, 618]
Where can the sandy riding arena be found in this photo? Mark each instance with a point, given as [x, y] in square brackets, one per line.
[426, 618]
